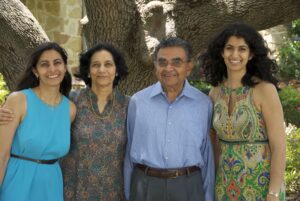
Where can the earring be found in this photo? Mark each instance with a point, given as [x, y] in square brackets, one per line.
[89, 76]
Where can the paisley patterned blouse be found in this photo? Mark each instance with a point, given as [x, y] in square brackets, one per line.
[93, 169]
[243, 173]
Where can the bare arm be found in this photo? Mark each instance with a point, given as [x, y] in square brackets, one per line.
[72, 111]
[17, 103]
[268, 100]
[213, 94]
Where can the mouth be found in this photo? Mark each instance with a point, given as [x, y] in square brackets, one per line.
[53, 76]
[235, 62]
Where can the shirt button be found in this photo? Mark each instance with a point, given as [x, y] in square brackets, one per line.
[169, 123]
[166, 157]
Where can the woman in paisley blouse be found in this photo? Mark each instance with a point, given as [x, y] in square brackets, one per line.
[93, 168]
[248, 119]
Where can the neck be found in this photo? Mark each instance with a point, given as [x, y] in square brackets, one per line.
[234, 80]
[172, 93]
[103, 94]
[50, 95]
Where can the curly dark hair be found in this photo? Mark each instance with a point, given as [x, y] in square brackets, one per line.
[260, 66]
[85, 61]
[29, 80]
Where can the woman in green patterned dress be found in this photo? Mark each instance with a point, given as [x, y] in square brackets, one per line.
[248, 119]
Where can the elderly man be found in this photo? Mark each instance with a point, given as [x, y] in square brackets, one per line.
[169, 154]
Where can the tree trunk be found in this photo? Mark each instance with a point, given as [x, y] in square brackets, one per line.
[19, 33]
[136, 26]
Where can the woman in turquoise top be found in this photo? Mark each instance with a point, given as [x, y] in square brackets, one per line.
[40, 132]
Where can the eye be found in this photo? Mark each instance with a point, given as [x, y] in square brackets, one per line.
[58, 62]
[162, 63]
[108, 64]
[95, 65]
[44, 64]
[243, 49]
[228, 48]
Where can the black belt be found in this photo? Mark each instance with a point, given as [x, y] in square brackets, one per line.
[34, 160]
[167, 173]
[263, 141]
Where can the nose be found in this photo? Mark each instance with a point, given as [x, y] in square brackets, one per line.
[52, 67]
[235, 53]
[169, 67]
[101, 68]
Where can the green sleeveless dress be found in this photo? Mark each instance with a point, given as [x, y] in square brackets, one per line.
[243, 172]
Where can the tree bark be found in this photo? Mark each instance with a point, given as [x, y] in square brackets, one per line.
[136, 26]
[19, 34]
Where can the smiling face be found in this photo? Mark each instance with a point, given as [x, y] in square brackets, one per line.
[236, 54]
[102, 69]
[50, 68]
[172, 67]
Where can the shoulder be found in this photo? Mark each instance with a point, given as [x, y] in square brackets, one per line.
[121, 98]
[78, 94]
[265, 89]
[143, 93]
[199, 96]
[16, 98]
[214, 92]
[265, 93]
[16, 102]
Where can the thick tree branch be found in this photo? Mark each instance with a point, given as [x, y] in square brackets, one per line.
[19, 33]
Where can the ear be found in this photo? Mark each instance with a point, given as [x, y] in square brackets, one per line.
[190, 66]
[35, 72]
[251, 56]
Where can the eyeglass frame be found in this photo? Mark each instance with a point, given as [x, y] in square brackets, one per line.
[176, 62]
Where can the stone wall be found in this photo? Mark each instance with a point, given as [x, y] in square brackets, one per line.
[274, 37]
[60, 20]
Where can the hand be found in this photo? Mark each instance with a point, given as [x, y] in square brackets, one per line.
[6, 115]
[272, 198]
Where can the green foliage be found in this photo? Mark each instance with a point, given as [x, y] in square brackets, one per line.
[3, 89]
[202, 86]
[292, 173]
[289, 54]
[290, 100]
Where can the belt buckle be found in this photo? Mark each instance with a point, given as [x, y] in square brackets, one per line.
[176, 175]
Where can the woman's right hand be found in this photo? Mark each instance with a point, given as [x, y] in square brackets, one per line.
[6, 115]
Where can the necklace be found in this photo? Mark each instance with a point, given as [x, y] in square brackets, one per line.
[98, 114]
[50, 106]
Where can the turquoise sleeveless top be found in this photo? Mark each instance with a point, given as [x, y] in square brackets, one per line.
[44, 133]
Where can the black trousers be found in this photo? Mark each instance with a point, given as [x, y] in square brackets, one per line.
[183, 188]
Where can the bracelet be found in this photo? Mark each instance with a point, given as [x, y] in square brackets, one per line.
[273, 194]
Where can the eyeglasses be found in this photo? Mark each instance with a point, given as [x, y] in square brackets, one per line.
[176, 62]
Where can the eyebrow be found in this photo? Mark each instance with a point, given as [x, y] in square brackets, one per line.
[175, 58]
[238, 46]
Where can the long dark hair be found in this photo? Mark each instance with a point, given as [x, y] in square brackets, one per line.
[85, 61]
[29, 80]
[260, 66]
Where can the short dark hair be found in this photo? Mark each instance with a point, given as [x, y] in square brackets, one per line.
[85, 61]
[29, 80]
[174, 42]
[260, 66]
